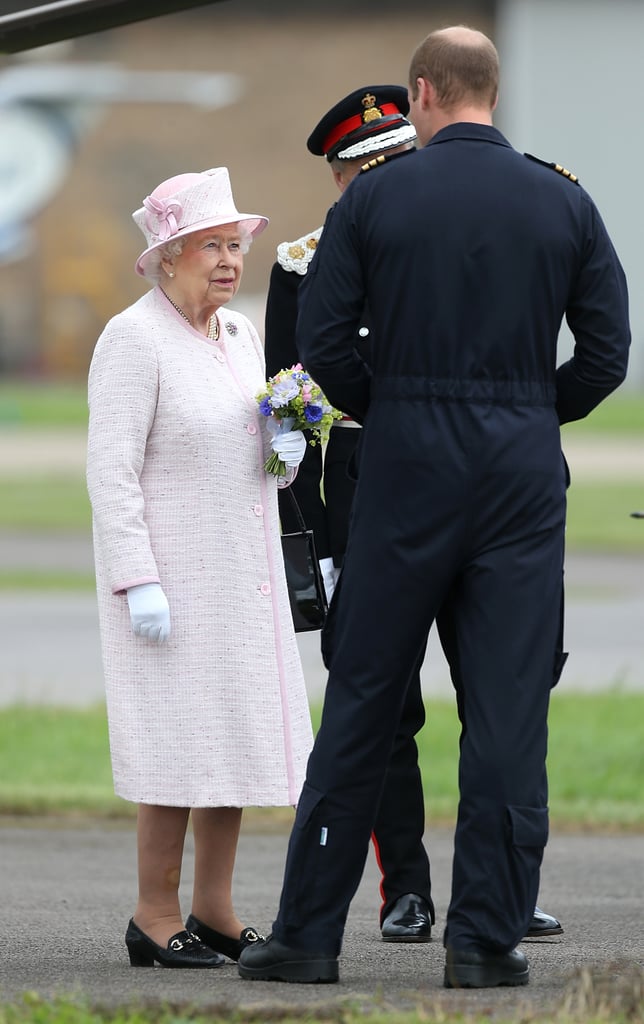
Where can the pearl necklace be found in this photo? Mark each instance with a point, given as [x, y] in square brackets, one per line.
[213, 323]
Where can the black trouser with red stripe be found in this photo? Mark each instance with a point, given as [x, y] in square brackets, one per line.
[398, 832]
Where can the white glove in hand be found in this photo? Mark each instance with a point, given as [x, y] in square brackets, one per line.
[149, 611]
[328, 577]
[290, 446]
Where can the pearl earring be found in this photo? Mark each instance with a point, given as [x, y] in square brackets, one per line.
[171, 274]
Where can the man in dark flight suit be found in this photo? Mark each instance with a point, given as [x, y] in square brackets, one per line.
[362, 126]
[469, 255]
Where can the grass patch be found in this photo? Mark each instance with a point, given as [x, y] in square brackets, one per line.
[43, 404]
[39, 580]
[605, 733]
[609, 994]
[619, 415]
[598, 512]
[599, 516]
[56, 761]
[595, 760]
[53, 403]
[45, 503]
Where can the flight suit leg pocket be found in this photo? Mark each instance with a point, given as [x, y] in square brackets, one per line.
[528, 826]
[306, 805]
[307, 846]
[526, 840]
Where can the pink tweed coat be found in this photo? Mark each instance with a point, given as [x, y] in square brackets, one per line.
[218, 715]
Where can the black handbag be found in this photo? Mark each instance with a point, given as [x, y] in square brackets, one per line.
[303, 576]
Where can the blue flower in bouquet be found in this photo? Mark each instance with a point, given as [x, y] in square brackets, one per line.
[313, 413]
[292, 395]
[284, 391]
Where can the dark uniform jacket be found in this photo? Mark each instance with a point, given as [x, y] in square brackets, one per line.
[468, 255]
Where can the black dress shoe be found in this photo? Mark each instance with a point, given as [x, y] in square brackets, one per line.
[183, 950]
[467, 968]
[409, 920]
[222, 943]
[543, 924]
[271, 960]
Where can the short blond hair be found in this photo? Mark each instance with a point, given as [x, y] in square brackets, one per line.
[461, 63]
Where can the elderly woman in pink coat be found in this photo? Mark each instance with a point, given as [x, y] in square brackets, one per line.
[206, 702]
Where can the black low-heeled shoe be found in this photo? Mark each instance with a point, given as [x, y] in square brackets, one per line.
[222, 943]
[183, 950]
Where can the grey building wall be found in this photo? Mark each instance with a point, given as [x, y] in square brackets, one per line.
[572, 91]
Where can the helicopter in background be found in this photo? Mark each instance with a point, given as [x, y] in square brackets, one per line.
[47, 101]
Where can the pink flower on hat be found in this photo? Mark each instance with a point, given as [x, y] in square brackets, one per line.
[167, 213]
[186, 203]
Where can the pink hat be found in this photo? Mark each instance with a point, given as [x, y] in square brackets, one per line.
[186, 203]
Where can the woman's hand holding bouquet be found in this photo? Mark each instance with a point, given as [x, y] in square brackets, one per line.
[292, 403]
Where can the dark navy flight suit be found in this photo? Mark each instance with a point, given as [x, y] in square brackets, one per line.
[468, 255]
[400, 823]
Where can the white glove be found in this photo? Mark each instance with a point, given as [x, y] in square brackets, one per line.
[149, 611]
[329, 577]
[290, 445]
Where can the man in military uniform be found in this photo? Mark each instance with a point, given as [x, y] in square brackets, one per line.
[469, 254]
[355, 134]
[363, 125]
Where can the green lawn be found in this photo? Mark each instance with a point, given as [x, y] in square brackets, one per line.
[55, 760]
[621, 414]
[599, 517]
[618, 1005]
[598, 511]
[64, 404]
[43, 404]
[45, 503]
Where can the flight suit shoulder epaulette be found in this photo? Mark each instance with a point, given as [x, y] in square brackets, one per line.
[384, 158]
[555, 167]
[296, 256]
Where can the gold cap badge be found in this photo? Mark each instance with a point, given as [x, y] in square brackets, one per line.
[371, 112]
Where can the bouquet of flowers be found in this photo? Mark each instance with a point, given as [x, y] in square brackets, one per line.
[292, 401]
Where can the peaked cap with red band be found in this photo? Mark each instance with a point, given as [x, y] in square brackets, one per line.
[367, 121]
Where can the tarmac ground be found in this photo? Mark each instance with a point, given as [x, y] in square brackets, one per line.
[67, 894]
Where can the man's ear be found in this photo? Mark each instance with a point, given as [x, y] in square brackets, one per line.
[426, 93]
[338, 178]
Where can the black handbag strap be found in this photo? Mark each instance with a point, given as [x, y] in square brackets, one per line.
[298, 511]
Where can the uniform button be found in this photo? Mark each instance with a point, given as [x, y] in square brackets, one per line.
[251, 428]
[221, 358]
[258, 510]
[363, 332]
[265, 589]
